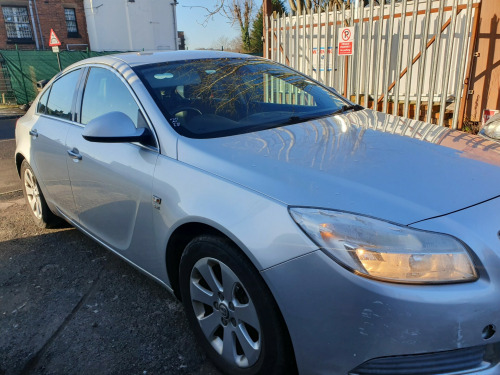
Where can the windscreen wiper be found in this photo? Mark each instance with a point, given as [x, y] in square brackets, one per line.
[348, 107]
[296, 119]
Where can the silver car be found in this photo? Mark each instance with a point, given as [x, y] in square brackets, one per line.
[302, 232]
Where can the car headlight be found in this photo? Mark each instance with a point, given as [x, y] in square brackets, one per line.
[386, 251]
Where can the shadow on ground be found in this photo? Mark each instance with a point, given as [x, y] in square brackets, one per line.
[68, 305]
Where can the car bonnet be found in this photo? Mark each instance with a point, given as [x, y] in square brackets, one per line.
[365, 162]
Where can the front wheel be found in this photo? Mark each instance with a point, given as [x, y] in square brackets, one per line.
[231, 310]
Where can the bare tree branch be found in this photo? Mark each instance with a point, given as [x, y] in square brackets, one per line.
[307, 6]
[218, 8]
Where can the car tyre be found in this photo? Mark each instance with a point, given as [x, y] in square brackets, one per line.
[42, 216]
[231, 310]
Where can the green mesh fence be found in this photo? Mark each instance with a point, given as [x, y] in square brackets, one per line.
[25, 68]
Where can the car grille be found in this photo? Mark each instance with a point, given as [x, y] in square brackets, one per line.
[475, 358]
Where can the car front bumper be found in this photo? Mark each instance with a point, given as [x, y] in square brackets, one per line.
[338, 320]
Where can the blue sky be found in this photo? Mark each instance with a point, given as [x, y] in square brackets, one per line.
[200, 35]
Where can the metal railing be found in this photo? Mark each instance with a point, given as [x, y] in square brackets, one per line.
[410, 57]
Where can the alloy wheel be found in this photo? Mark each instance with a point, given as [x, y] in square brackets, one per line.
[225, 312]
[32, 193]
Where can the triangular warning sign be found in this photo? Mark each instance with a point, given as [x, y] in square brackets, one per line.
[53, 39]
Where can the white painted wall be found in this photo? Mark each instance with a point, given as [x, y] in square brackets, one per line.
[121, 25]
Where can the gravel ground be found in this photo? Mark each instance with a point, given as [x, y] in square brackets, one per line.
[69, 306]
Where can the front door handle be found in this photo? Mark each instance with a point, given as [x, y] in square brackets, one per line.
[34, 133]
[74, 154]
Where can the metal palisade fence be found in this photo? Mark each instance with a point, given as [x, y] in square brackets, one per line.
[410, 57]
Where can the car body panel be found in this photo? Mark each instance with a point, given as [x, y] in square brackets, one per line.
[47, 155]
[154, 57]
[479, 228]
[112, 190]
[345, 164]
[395, 169]
[338, 320]
[191, 195]
[408, 319]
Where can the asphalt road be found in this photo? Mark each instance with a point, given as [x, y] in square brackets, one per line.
[69, 306]
[7, 128]
[9, 179]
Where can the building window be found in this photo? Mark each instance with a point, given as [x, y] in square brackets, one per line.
[70, 15]
[17, 24]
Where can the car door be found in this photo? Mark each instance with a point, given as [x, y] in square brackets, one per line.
[112, 182]
[48, 147]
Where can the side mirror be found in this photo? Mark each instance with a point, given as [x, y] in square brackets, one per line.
[114, 127]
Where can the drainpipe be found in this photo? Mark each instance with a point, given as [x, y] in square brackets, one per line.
[39, 27]
[176, 38]
[129, 29]
[34, 26]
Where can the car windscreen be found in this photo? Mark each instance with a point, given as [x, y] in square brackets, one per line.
[209, 98]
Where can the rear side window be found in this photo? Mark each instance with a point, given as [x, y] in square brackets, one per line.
[104, 93]
[42, 103]
[61, 96]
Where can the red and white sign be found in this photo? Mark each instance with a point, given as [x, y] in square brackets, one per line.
[488, 113]
[53, 39]
[346, 41]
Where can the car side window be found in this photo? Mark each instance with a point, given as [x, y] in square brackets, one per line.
[42, 103]
[61, 95]
[104, 93]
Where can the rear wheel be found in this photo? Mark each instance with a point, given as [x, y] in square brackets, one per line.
[231, 310]
[40, 212]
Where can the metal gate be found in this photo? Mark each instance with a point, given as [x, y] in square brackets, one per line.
[410, 56]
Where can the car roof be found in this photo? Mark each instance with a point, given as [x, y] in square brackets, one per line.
[153, 57]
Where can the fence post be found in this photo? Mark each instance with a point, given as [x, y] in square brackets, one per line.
[410, 62]
[446, 78]
[346, 59]
[461, 74]
[22, 75]
[472, 49]
[368, 61]
[421, 68]
[435, 65]
[266, 13]
[59, 61]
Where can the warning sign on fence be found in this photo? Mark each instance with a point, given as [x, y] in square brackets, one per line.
[346, 41]
[322, 58]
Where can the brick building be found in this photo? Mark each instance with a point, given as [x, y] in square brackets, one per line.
[27, 23]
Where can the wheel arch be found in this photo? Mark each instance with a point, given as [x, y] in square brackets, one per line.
[178, 241]
[19, 161]
[176, 245]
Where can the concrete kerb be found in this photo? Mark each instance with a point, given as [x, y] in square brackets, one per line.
[10, 117]
[11, 112]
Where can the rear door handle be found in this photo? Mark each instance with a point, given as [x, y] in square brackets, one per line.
[34, 133]
[74, 154]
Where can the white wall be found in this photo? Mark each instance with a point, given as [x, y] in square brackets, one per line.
[120, 25]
